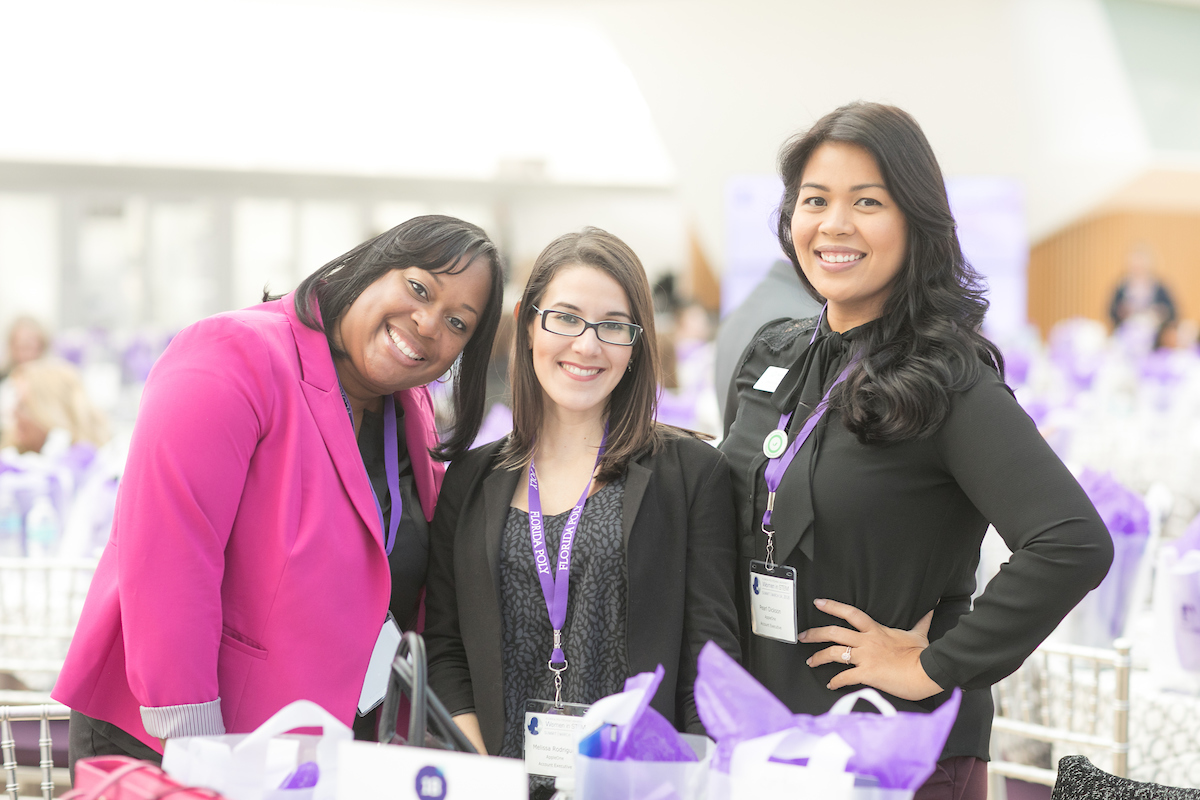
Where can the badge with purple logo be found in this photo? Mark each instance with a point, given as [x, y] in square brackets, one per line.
[430, 784]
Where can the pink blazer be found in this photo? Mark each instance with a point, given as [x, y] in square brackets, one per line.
[246, 560]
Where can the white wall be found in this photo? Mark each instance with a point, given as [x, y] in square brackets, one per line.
[648, 92]
[29, 260]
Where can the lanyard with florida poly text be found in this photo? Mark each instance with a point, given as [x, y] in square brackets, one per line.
[556, 588]
[391, 467]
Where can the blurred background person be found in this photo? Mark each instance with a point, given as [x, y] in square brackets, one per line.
[687, 397]
[778, 295]
[27, 340]
[49, 396]
[1141, 294]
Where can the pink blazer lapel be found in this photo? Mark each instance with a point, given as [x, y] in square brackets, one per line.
[318, 380]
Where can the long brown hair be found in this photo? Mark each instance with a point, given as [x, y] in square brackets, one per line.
[632, 404]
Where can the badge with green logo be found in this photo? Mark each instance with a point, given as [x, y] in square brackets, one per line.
[775, 443]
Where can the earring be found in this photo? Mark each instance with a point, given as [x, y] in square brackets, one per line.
[451, 373]
[629, 367]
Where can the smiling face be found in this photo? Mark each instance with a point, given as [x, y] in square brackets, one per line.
[849, 234]
[577, 374]
[407, 328]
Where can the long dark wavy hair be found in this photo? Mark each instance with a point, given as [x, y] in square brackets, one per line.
[927, 344]
[631, 406]
[435, 244]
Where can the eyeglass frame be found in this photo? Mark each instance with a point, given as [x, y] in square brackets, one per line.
[637, 329]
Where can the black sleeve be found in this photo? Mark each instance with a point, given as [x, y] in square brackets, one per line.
[733, 393]
[710, 607]
[1061, 548]
[449, 672]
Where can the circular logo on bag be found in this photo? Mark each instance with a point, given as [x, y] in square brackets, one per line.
[775, 443]
[431, 784]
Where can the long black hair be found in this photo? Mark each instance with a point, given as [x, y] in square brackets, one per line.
[927, 344]
[435, 244]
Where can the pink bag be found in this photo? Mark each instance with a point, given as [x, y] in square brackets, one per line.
[124, 778]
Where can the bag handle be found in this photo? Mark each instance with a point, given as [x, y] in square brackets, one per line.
[403, 679]
[119, 774]
[407, 675]
[845, 703]
[110, 779]
[297, 714]
[828, 753]
[413, 644]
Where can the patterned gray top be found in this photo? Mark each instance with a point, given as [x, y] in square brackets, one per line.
[594, 631]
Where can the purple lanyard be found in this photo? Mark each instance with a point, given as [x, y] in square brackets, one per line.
[556, 589]
[391, 467]
[777, 466]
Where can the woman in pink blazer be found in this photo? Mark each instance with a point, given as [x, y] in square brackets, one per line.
[281, 453]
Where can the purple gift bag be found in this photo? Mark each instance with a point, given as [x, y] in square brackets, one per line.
[1128, 522]
[1185, 580]
[897, 749]
[642, 733]
[632, 752]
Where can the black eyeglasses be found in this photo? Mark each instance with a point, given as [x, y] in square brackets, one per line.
[564, 323]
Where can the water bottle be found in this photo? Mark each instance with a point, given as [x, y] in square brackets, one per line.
[42, 528]
[12, 527]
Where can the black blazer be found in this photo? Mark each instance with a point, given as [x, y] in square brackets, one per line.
[680, 546]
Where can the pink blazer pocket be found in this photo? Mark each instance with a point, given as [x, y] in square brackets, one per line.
[242, 644]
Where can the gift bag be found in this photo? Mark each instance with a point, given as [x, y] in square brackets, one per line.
[434, 759]
[629, 750]
[268, 764]
[1100, 616]
[1185, 597]
[891, 754]
[124, 778]
[756, 769]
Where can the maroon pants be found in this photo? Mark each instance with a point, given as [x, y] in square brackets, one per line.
[958, 778]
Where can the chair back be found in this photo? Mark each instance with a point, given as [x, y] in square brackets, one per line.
[1066, 695]
[1079, 779]
[42, 714]
[40, 603]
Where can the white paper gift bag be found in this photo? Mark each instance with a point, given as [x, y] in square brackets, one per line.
[252, 766]
[753, 776]
[390, 772]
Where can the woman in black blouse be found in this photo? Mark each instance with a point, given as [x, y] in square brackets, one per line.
[652, 569]
[881, 503]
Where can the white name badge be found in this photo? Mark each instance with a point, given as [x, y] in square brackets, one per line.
[552, 737]
[773, 602]
[366, 769]
[769, 380]
[375, 683]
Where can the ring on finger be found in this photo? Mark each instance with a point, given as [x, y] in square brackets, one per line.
[846, 655]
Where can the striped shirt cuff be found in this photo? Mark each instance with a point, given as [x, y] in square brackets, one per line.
[196, 719]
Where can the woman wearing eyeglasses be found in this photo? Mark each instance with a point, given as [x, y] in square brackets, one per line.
[590, 519]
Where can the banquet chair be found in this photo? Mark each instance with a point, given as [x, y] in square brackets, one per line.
[40, 603]
[11, 745]
[1079, 779]
[1066, 695]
